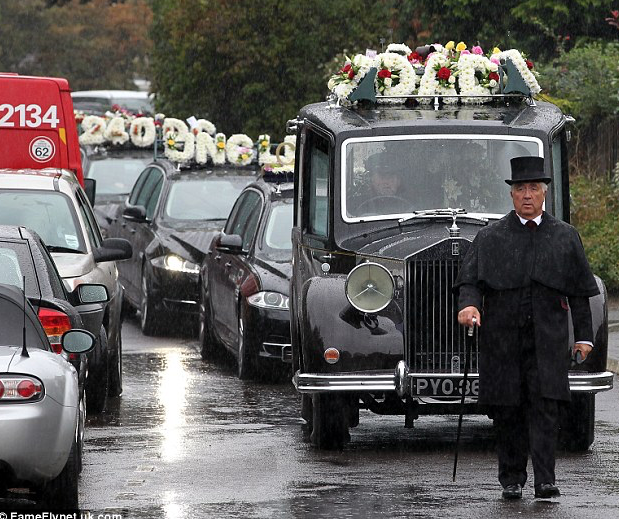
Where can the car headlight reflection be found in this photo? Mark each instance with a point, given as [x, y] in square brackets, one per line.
[369, 287]
[269, 300]
[178, 264]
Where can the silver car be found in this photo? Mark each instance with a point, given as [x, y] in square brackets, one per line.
[52, 203]
[39, 404]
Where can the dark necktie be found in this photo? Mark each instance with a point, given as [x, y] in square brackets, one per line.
[531, 224]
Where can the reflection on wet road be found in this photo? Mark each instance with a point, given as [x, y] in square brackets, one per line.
[188, 439]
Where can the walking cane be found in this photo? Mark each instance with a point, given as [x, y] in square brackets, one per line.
[467, 341]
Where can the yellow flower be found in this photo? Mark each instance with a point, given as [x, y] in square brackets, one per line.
[221, 145]
[460, 47]
[496, 50]
[171, 142]
[264, 143]
[450, 45]
[244, 156]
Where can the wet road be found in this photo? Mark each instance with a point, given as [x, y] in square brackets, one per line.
[188, 439]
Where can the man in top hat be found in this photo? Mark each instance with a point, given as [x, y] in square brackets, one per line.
[518, 280]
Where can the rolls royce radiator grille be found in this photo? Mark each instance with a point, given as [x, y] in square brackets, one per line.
[435, 339]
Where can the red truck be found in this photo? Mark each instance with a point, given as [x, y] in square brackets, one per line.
[37, 124]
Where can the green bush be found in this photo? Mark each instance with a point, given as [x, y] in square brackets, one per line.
[595, 213]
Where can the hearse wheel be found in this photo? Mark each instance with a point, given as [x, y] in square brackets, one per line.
[330, 421]
[209, 348]
[245, 359]
[578, 423]
[150, 318]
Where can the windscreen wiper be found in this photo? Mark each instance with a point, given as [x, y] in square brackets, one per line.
[58, 248]
[442, 213]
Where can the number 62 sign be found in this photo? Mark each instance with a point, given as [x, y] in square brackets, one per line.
[42, 149]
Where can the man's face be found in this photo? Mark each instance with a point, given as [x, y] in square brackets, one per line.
[528, 199]
[385, 184]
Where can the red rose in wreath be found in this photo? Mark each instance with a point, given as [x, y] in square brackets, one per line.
[529, 64]
[383, 73]
[443, 73]
[493, 75]
[346, 68]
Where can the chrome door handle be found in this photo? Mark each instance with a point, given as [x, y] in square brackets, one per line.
[228, 265]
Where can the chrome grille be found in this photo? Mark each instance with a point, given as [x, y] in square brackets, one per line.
[435, 339]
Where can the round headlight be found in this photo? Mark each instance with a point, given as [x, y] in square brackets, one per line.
[369, 287]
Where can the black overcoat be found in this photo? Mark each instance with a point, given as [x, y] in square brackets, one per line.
[504, 258]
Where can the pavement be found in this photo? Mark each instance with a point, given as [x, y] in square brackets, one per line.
[613, 334]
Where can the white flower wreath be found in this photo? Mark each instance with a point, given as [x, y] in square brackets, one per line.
[176, 132]
[400, 67]
[142, 131]
[528, 76]
[206, 146]
[93, 128]
[399, 48]
[468, 64]
[115, 131]
[429, 83]
[343, 87]
[264, 150]
[239, 149]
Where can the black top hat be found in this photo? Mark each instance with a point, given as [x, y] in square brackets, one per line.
[383, 164]
[528, 169]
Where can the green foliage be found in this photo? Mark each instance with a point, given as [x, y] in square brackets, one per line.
[584, 81]
[247, 66]
[595, 213]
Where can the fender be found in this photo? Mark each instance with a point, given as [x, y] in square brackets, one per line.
[365, 341]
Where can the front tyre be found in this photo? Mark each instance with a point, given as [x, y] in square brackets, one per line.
[208, 343]
[246, 362]
[330, 421]
[116, 370]
[150, 318]
[577, 429]
[97, 381]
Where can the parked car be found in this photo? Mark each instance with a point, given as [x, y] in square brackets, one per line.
[40, 403]
[24, 258]
[245, 282]
[115, 171]
[171, 217]
[98, 102]
[373, 315]
[52, 203]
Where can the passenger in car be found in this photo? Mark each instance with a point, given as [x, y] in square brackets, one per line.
[516, 280]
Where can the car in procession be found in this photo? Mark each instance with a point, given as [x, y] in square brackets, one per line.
[389, 194]
[245, 282]
[41, 402]
[170, 217]
[53, 204]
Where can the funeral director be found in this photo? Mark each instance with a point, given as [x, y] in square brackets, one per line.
[518, 280]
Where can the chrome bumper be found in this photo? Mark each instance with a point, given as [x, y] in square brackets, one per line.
[400, 381]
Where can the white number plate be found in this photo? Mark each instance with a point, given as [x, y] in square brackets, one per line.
[444, 386]
[28, 116]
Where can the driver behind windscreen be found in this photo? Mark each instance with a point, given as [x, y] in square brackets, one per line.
[385, 187]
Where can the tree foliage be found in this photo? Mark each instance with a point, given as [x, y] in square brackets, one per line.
[247, 66]
[95, 44]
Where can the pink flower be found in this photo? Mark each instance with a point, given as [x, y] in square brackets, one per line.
[464, 52]
[477, 50]
[495, 60]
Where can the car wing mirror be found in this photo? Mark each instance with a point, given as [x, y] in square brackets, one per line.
[91, 293]
[77, 341]
[230, 243]
[135, 213]
[113, 249]
[90, 188]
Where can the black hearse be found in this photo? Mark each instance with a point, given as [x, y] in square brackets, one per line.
[373, 314]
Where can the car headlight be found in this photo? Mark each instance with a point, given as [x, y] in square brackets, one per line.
[369, 287]
[269, 300]
[178, 264]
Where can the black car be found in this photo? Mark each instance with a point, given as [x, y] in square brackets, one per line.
[115, 171]
[387, 202]
[24, 258]
[246, 282]
[170, 218]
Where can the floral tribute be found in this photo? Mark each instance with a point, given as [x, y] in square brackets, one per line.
[451, 70]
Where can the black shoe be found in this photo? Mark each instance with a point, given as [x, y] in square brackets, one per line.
[513, 491]
[546, 491]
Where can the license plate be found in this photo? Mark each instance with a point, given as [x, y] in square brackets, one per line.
[444, 386]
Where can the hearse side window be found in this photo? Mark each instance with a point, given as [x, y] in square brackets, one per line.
[245, 219]
[138, 186]
[149, 194]
[318, 185]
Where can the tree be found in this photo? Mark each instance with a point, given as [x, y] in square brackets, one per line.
[247, 66]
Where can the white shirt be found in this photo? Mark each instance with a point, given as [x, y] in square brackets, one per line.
[538, 220]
